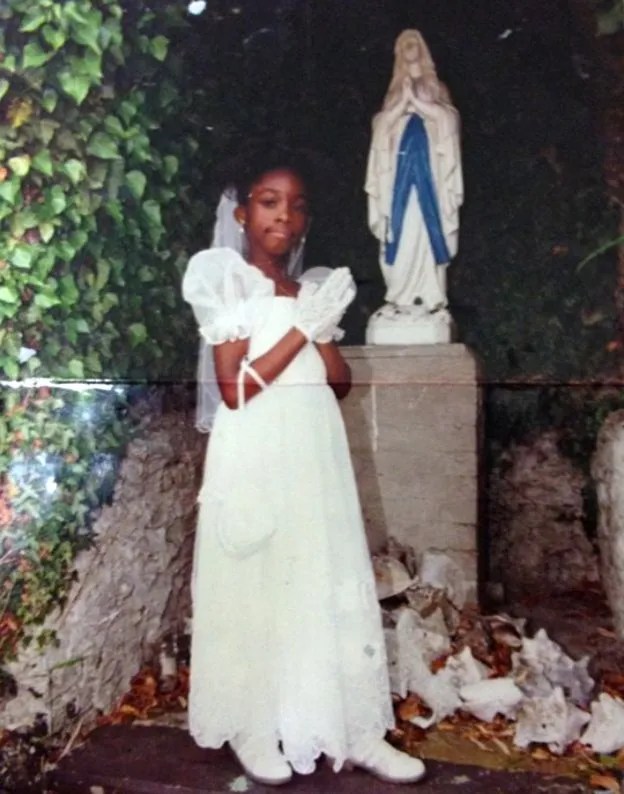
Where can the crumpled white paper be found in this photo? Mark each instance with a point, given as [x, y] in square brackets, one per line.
[463, 669]
[485, 699]
[391, 576]
[411, 647]
[438, 570]
[551, 720]
[605, 732]
[541, 665]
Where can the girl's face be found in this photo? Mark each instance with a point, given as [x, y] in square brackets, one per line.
[276, 215]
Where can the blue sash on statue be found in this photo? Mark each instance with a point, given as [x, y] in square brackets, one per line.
[414, 171]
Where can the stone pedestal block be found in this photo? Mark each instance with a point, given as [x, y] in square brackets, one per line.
[413, 419]
[608, 473]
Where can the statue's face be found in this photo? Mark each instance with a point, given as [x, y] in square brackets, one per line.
[411, 57]
[411, 50]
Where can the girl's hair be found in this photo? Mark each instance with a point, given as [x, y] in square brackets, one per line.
[248, 167]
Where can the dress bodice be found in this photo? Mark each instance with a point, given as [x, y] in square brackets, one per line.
[274, 319]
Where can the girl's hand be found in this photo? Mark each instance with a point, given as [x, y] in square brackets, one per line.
[320, 308]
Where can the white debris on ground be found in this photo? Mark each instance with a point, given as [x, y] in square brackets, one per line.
[606, 728]
[546, 692]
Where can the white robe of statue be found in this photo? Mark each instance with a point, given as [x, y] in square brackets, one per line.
[415, 277]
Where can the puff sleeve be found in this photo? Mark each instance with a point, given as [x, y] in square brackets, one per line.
[223, 291]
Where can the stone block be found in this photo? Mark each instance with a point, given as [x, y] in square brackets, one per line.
[412, 419]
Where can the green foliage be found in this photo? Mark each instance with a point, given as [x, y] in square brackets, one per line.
[609, 16]
[58, 458]
[89, 193]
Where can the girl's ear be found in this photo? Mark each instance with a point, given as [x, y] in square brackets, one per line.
[240, 213]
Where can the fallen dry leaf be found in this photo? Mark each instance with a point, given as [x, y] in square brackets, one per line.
[606, 633]
[479, 744]
[605, 782]
[501, 745]
[412, 707]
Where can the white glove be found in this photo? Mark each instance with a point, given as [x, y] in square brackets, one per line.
[320, 307]
[332, 331]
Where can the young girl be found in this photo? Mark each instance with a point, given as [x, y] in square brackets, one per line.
[287, 658]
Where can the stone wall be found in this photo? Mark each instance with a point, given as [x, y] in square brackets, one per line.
[132, 586]
[535, 508]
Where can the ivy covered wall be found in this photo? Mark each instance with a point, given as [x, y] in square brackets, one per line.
[94, 220]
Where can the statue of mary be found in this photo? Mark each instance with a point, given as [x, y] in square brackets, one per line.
[415, 188]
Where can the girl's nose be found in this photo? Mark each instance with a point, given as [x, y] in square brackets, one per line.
[283, 211]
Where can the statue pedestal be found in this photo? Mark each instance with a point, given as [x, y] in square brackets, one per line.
[409, 325]
[413, 421]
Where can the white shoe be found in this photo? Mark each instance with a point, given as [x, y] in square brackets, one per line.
[388, 764]
[261, 760]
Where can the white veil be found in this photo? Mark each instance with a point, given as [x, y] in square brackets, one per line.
[227, 233]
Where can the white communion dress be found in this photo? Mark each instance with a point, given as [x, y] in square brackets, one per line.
[287, 638]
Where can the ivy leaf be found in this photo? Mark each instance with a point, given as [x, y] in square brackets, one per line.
[115, 210]
[136, 181]
[49, 100]
[9, 295]
[146, 274]
[20, 165]
[138, 334]
[58, 202]
[114, 126]
[9, 190]
[158, 47]
[611, 20]
[11, 368]
[127, 110]
[103, 273]
[87, 32]
[93, 363]
[76, 368]
[74, 85]
[151, 209]
[103, 146]
[43, 162]
[9, 64]
[4, 86]
[69, 291]
[66, 140]
[55, 37]
[78, 239]
[46, 301]
[33, 22]
[46, 230]
[34, 56]
[170, 166]
[75, 170]
[22, 257]
[46, 130]
[90, 65]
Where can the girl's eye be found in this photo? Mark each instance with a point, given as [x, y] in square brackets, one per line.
[301, 207]
[268, 202]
